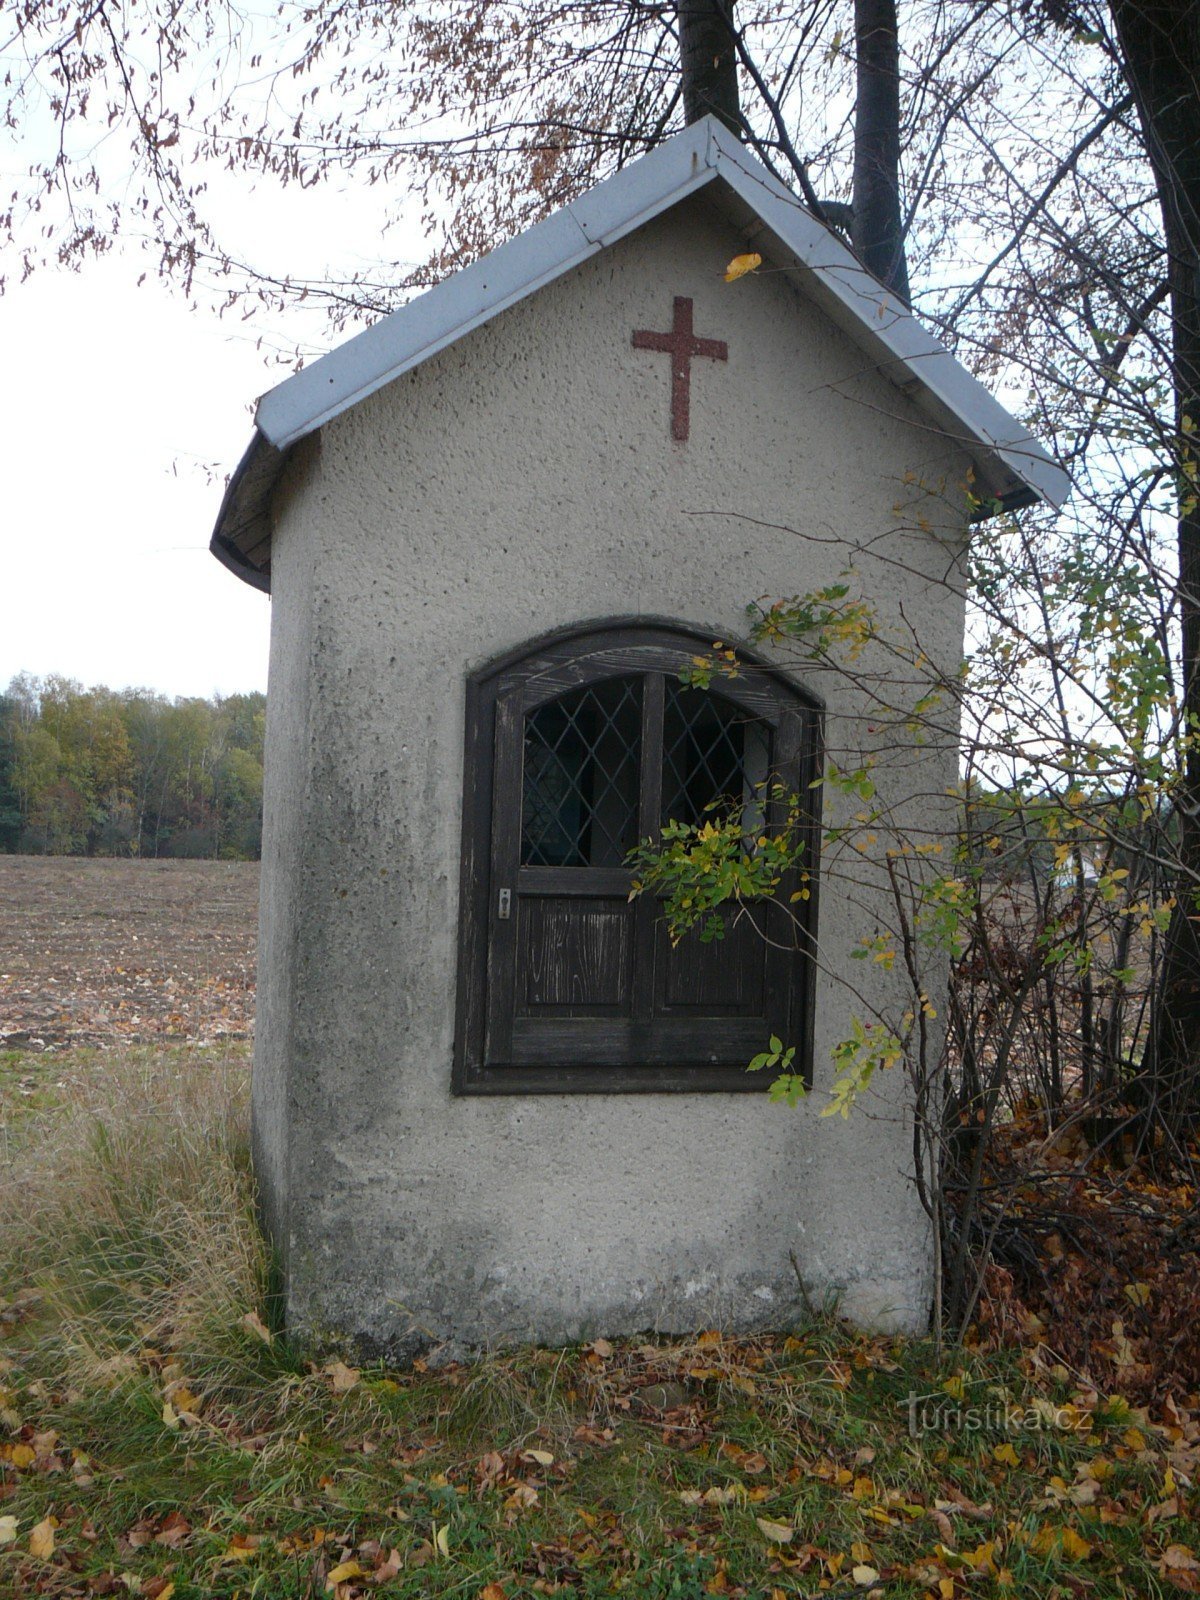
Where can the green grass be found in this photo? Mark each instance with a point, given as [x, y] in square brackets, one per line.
[179, 1452]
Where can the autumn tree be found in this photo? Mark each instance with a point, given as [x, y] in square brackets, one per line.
[99, 772]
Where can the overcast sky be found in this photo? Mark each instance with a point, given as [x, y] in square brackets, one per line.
[118, 406]
[122, 412]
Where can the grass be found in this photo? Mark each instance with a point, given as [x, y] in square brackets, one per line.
[165, 1442]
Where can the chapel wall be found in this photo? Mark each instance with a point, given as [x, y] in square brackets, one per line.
[522, 480]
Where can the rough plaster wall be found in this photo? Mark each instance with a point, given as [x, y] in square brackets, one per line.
[287, 756]
[522, 480]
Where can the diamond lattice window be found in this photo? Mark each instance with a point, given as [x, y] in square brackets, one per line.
[580, 789]
[716, 758]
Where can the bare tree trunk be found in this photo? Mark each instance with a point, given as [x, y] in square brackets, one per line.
[877, 227]
[708, 60]
[1160, 44]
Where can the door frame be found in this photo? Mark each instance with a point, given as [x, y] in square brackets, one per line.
[541, 670]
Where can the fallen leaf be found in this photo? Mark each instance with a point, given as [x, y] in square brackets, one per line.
[776, 1532]
[343, 1572]
[944, 1527]
[387, 1570]
[493, 1591]
[342, 1377]
[601, 1348]
[719, 1495]
[183, 1400]
[864, 1576]
[8, 1529]
[174, 1530]
[441, 1539]
[41, 1538]
[241, 1547]
[542, 1457]
[254, 1324]
[1077, 1548]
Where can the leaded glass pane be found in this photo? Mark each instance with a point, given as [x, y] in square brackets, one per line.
[715, 758]
[580, 788]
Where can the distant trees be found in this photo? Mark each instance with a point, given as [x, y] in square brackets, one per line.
[100, 772]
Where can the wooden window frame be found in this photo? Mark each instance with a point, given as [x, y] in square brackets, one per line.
[556, 663]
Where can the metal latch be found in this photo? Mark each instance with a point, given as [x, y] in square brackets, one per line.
[504, 909]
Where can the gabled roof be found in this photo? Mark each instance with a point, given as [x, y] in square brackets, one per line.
[1012, 468]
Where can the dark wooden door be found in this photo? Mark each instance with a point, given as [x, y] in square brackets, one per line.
[578, 746]
[579, 975]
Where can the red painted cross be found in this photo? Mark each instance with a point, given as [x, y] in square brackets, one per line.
[681, 345]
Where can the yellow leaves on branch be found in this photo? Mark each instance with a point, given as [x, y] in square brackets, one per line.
[741, 265]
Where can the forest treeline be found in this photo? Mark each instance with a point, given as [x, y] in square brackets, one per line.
[129, 772]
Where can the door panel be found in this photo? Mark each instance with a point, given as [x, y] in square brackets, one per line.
[725, 977]
[575, 956]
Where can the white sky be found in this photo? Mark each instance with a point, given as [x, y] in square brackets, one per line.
[122, 413]
[117, 404]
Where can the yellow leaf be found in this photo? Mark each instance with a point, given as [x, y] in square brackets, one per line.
[493, 1591]
[946, 1588]
[864, 1576]
[254, 1324]
[441, 1538]
[170, 1419]
[1043, 1542]
[1006, 1455]
[1138, 1294]
[776, 1532]
[981, 1558]
[242, 1546]
[1168, 1482]
[184, 1400]
[343, 1377]
[165, 1594]
[1076, 1548]
[8, 1529]
[344, 1571]
[22, 1455]
[542, 1457]
[860, 1553]
[741, 265]
[41, 1538]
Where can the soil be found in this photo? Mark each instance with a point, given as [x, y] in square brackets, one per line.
[96, 952]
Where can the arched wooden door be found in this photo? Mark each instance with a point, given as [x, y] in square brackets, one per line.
[576, 753]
